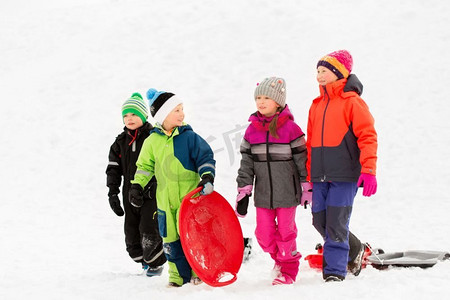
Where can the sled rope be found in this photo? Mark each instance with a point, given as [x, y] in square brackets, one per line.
[374, 253]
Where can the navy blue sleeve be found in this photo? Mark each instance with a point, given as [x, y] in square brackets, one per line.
[196, 155]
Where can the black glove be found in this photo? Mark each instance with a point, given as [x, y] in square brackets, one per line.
[114, 202]
[150, 190]
[136, 195]
[207, 183]
[242, 205]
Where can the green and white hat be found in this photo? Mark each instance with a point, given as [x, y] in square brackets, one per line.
[135, 105]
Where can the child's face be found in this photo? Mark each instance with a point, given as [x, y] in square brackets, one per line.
[325, 76]
[132, 121]
[175, 118]
[266, 106]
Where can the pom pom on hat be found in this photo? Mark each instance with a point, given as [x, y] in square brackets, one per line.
[152, 94]
[161, 104]
[339, 62]
[137, 95]
[135, 105]
[274, 88]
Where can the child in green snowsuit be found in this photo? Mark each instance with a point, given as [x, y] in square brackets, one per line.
[179, 159]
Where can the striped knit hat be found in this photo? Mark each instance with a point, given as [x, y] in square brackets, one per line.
[339, 62]
[161, 104]
[135, 105]
[273, 87]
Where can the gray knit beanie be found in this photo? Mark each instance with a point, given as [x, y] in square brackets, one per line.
[273, 87]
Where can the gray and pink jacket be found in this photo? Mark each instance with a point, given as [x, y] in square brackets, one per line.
[275, 165]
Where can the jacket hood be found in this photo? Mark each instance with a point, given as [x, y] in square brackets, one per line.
[353, 84]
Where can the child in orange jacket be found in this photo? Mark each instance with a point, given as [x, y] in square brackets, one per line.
[342, 155]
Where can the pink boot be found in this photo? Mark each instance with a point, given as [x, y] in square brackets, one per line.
[283, 279]
[276, 271]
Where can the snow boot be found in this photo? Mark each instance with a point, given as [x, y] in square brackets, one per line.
[196, 280]
[144, 267]
[154, 271]
[247, 248]
[282, 279]
[173, 285]
[333, 278]
[355, 265]
[276, 271]
[150, 272]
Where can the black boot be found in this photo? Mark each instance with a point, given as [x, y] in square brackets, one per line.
[247, 248]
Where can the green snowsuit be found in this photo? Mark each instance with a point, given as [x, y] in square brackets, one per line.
[177, 161]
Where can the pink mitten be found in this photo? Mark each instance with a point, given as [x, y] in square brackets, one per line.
[369, 182]
[306, 194]
[242, 200]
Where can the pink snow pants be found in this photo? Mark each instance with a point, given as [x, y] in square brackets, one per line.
[276, 233]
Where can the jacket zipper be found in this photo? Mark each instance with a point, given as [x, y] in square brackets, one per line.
[322, 155]
[269, 170]
[130, 152]
[295, 185]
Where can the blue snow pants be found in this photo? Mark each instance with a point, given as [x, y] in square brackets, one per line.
[331, 208]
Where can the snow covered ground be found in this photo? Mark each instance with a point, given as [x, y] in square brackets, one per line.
[67, 66]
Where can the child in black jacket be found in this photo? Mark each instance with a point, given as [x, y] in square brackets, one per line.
[143, 242]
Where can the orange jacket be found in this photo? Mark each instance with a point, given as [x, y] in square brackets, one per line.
[341, 141]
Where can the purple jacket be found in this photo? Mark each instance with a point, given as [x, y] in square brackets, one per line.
[275, 165]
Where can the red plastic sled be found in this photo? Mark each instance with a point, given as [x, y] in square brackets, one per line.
[211, 237]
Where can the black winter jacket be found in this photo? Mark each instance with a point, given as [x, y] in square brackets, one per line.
[123, 155]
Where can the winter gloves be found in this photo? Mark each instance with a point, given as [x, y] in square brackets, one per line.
[136, 195]
[242, 200]
[369, 183]
[114, 202]
[306, 194]
[245, 192]
[207, 183]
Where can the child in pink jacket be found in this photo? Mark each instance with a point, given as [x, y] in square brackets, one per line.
[274, 162]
